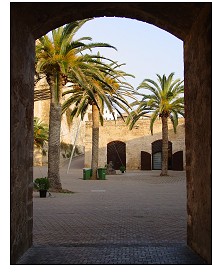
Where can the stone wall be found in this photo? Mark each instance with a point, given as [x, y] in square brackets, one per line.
[197, 51]
[41, 110]
[37, 156]
[21, 95]
[138, 139]
[70, 133]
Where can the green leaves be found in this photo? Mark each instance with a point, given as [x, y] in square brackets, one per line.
[165, 99]
[101, 84]
[42, 183]
[58, 54]
[60, 51]
[41, 133]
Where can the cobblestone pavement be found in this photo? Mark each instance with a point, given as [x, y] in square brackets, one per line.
[133, 218]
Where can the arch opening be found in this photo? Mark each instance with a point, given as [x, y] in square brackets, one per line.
[116, 152]
[34, 20]
[157, 155]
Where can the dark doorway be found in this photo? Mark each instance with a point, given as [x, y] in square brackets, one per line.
[116, 152]
[177, 161]
[157, 155]
[145, 160]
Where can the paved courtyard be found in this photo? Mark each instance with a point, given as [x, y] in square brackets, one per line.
[133, 218]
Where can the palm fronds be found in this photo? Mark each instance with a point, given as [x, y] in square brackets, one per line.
[165, 99]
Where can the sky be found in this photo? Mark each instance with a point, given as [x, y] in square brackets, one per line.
[146, 49]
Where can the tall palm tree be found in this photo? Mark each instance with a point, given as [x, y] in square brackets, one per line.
[56, 56]
[165, 101]
[105, 87]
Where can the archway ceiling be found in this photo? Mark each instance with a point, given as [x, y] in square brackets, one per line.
[176, 18]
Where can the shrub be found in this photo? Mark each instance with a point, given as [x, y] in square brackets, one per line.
[42, 183]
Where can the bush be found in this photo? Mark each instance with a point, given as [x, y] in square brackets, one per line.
[122, 168]
[42, 183]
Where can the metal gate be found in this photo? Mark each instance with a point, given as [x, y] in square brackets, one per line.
[157, 161]
[157, 155]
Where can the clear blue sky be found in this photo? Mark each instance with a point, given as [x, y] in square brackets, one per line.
[147, 50]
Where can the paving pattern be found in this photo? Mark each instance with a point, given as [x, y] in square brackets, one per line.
[133, 218]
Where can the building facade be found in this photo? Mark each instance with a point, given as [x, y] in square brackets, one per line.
[136, 148]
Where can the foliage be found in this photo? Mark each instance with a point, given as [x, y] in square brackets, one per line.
[41, 133]
[165, 99]
[102, 85]
[67, 149]
[41, 183]
[68, 116]
[59, 56]
[122, 168]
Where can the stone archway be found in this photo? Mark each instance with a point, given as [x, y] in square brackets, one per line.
[193, 25]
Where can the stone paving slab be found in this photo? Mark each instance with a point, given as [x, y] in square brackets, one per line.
[111, 255]
[133, 218]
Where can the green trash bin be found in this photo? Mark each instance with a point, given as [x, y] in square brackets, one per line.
[87, 173]
[102, 173]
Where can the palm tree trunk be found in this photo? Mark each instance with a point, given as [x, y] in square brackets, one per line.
[95, 141]
[164, 171]
[54, 133]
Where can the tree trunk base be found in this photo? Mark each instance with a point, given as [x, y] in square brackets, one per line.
[162, 174]
[93, 178]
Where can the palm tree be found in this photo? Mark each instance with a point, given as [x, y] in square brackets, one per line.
[56, 55]
[165, 101]
[41, 133]
[104, 87]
